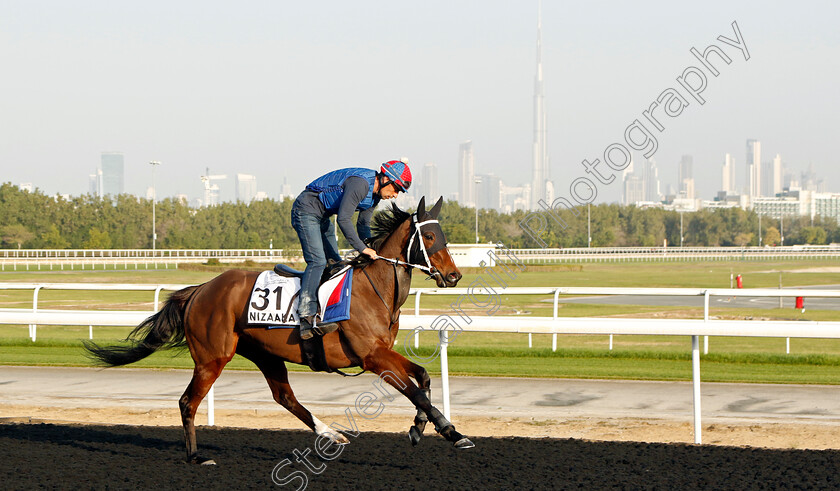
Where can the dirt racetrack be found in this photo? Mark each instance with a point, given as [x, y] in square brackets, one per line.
[143, 457]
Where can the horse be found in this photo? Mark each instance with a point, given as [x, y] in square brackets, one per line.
[211, 320]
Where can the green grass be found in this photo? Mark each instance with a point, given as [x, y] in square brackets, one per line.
[758, 360]
[579, 356]
[676, 275]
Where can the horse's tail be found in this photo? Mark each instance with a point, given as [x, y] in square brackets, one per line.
[163, 330]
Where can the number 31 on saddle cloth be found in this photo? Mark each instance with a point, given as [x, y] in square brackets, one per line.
[274, 300]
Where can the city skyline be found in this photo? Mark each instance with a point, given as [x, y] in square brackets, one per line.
[649, 185]
[258, 94]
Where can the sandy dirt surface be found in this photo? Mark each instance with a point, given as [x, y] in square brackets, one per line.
[816, 436]
[72, 456]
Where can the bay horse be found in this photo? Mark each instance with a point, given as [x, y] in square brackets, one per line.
[211, 320]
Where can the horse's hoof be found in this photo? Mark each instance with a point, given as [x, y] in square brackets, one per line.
[202, 461]
[339, 439]
[464, 443]
[414, 435]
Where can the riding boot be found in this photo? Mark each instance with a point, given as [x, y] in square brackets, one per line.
[306, 327]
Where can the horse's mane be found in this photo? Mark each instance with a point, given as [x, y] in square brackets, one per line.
[382, 225]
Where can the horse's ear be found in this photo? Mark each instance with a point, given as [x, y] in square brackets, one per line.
[435, 211]
[421, 209]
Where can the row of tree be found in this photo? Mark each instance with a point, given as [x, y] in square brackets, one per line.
[37, 221]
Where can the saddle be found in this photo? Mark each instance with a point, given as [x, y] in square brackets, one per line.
[332, 268]
[313, 349]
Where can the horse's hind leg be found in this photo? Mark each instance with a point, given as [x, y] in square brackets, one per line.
[203, 378]
[274, 370]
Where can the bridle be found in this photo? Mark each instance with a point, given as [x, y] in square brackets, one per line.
[418, 234]
[430, 270]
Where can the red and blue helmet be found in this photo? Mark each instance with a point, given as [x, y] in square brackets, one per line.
[398, 172]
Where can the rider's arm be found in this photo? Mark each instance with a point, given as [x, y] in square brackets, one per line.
[363, 223]
[355, 190]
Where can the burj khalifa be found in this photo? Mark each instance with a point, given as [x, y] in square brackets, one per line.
[541, 186]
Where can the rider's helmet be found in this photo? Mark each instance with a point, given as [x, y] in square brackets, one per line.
[398, 172]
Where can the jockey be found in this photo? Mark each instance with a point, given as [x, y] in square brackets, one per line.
[341, 192]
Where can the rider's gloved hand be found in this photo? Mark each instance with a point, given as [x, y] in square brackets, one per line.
[370, 252]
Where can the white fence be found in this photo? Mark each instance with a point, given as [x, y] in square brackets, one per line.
[510, 324]
[87, 259]
[625, 254]
[91, 259]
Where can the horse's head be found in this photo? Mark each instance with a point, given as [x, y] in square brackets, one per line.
[427, 246]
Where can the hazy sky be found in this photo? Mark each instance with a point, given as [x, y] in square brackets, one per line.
[279, 88]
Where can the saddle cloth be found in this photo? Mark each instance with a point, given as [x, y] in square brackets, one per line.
[274, 299]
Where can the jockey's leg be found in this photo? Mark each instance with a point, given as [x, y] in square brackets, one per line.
[308, 228]
[328, 238]
[330, 253]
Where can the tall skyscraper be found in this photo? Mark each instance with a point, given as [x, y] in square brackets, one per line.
[539, 164]
[286, 189]
[651, 182]
[95, 183]
[753, 168]
[430, 182]
[246, 187]
[686, 177]
[633, 185]
[489, 192]
[778, 175]
[634, 188]
[466, 174]
[113, 170]
[727, 175]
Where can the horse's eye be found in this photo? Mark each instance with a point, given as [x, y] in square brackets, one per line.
[429, 236]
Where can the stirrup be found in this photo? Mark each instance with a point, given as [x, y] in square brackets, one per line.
[322, 329]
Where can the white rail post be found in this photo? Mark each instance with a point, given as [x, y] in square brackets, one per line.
[444, 371]
[211, 419]
[33, 328]
[90, 332]
[157, 297]
[706, 319]
[695, 380]
[417, 312]
[554, 335]
[611, 342]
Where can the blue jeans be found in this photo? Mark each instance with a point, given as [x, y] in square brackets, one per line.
[317, 239]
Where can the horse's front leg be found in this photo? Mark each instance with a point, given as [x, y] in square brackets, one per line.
[391, 367]
[425, 382]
